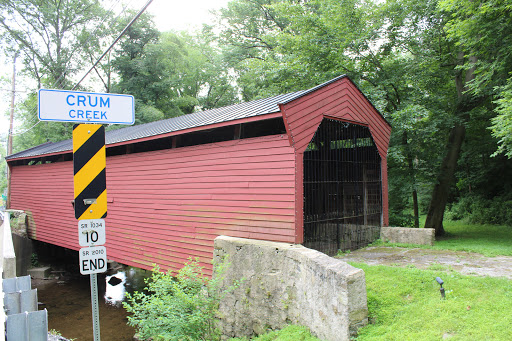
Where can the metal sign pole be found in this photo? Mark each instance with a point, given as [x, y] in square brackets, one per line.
[89, 166]
[90, 189]
[95, 307]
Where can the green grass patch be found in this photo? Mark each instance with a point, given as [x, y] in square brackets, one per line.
[405, 304]
[290, 333]
[488, 240]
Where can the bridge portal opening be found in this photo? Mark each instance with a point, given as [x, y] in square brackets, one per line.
[342, 188]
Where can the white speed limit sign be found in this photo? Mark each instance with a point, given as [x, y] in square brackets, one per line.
[91, 232]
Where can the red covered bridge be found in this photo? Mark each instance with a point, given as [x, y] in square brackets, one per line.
[307, 167]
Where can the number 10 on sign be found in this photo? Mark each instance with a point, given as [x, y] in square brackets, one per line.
[91, 232]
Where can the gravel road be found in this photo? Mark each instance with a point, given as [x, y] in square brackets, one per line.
[466, 263]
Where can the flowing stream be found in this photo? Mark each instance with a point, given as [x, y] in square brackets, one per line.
[69, 304]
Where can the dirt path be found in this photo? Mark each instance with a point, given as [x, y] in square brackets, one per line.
[466, 263]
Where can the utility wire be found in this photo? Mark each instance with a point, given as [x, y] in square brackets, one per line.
[56, 82]
[115, 41]
[94, 33]
[26, 131]
[33, 111]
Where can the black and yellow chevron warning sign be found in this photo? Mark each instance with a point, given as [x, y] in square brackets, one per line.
[89, 163]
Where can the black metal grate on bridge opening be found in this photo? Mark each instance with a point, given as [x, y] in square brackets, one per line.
[342, 188]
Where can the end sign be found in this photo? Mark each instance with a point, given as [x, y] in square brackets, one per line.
[93, 260]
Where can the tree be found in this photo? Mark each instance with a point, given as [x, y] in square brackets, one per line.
[51, 36]
[170, 74]
[34, 132]
[53, 39]
[483, 30]
[394, 51]
[249, 30]
[502, 123]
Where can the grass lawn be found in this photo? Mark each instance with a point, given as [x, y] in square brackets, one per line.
[488, 240]
[405, 304]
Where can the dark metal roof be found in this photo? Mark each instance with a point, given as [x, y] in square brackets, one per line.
[194, 120]
[198, 119]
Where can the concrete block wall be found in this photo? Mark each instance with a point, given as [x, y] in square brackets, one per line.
[407, 235]
[8, 255]
[288, 284]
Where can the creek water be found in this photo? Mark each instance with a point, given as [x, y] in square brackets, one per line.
[69, 304]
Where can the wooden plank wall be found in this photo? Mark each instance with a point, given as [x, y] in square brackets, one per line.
[165, 206]
[46, 192]
[340, 100]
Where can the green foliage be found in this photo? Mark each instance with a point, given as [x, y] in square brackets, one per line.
[400, 218]
[405, 304]
[34, 260]
[289, 333]
[3, 175]
[54, 332]
[147, 113]
[340, 252]
[176, 308]
[478, 210]
[484, 29]
[51, 37]
[502, 123]
[174, 73]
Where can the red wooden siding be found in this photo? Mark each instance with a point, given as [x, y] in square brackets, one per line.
[340, 100]
[46, 191]
[165, 206]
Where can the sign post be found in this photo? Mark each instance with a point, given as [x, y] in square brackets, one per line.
[89, 165]
[90, 187]
[93, 260]
[95, 307]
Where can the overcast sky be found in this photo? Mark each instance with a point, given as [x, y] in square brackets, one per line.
[168, 15]
[183, 14]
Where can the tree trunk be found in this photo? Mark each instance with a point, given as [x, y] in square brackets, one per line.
[415, 207]
[446, 175]
[412, 174]
[445, 180]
